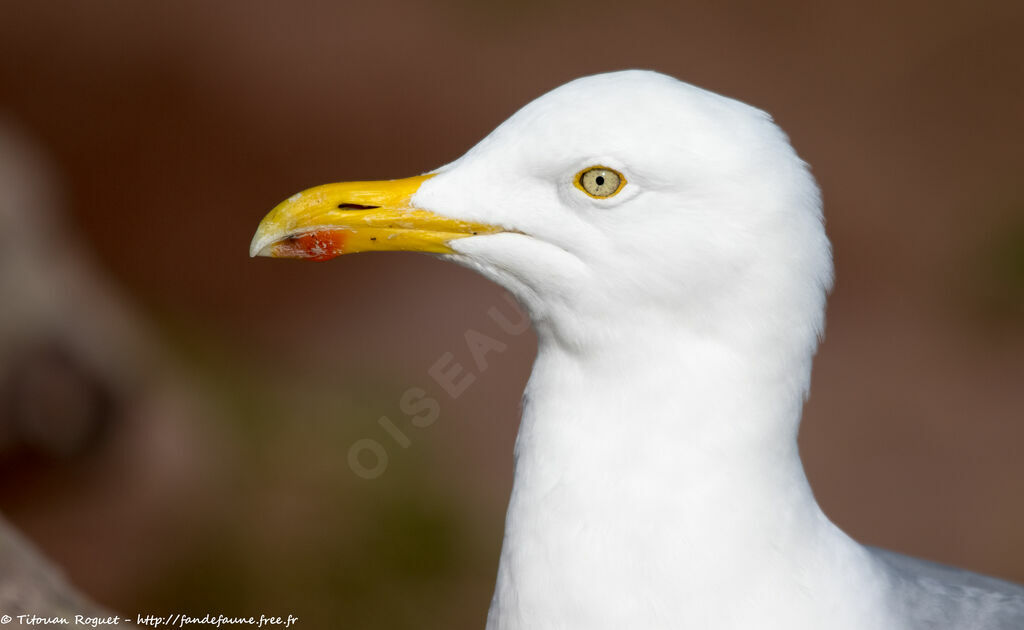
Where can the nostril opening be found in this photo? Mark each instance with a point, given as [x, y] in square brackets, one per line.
[355, 206]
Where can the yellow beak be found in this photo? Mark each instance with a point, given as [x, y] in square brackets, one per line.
[335, 219]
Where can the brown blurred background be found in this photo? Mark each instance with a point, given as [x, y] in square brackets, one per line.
[211, 472]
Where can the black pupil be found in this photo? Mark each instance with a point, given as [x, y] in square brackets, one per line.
[600, 180]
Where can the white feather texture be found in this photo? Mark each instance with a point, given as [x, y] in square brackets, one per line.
[657, 478]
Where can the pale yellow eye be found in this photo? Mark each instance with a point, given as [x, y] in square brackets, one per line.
[600, 181]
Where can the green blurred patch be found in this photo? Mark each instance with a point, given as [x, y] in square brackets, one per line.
[297, 532]
[999, 278]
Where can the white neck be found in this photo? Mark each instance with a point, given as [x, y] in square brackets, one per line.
[662, 487]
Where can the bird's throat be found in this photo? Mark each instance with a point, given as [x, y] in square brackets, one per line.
[648, 478]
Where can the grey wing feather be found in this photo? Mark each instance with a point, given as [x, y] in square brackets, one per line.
[933, 596]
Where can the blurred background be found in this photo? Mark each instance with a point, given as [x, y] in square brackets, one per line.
[175, 418]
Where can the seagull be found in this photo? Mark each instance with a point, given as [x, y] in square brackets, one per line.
[669, 246]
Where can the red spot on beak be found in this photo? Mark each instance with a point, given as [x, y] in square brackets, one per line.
[319, 245]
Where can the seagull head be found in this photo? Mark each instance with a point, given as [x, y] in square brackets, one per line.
[627, 198]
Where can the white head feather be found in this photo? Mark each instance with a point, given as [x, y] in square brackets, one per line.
[677, 322]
